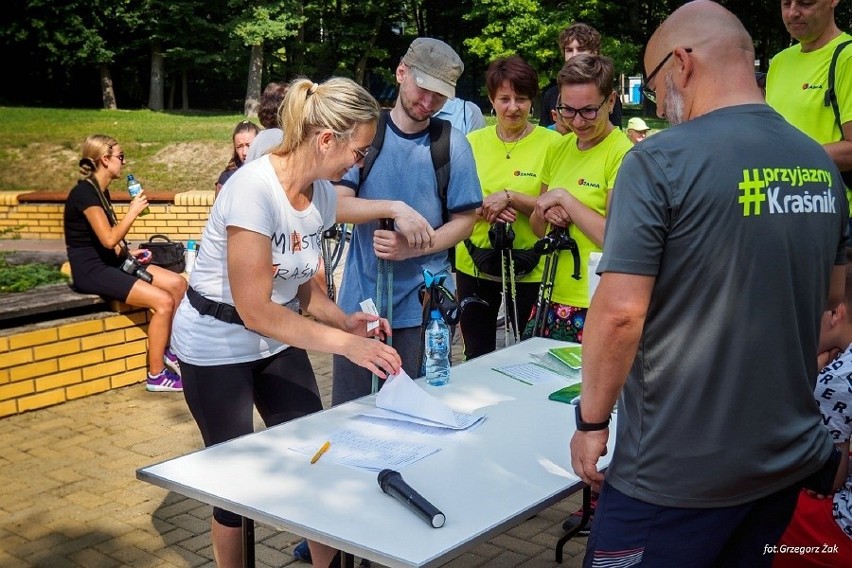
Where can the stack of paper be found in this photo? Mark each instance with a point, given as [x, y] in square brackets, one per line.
[401, 399]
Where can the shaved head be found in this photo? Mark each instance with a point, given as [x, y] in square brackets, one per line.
[706, 25]
[711, 61]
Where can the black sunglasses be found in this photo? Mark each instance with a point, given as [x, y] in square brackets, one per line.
[569, 113]
[651, 94]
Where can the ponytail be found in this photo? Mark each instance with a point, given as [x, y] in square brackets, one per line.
[338, 104]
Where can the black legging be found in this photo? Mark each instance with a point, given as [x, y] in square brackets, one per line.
[479, 322]
[220, 398]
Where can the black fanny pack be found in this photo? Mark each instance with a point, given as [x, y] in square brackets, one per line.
[488, 261]
[207, 307]
[491, 261]
[222, 311]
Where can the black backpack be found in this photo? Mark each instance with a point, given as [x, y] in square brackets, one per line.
[831, 100]
[439, 146]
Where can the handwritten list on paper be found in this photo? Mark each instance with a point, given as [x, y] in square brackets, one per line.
[352, 448]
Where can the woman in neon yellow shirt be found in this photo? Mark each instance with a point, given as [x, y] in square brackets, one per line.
[509, 157]
[576, 186]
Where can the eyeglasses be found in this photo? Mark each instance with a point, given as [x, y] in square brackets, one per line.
[120, 156]
[359, 153]
[648, 92]
[586, 113]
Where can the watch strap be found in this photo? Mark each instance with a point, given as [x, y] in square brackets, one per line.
[588, 426]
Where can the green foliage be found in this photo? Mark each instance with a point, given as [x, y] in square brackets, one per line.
[261, 22]
[55, 49]
[510, 27]
[24, 277]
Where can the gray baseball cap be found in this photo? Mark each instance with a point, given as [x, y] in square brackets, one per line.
[434, 65]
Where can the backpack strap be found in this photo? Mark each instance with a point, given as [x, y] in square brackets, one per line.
[375, 146]
[439, 145]
[830, 93]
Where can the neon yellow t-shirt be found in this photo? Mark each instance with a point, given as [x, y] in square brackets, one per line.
[796, 85]
[519, 173]
[588, 175]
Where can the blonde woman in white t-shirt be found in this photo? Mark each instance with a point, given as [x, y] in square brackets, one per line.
[237, 334]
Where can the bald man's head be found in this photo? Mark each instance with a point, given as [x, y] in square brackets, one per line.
[712, 50]
[702, 24]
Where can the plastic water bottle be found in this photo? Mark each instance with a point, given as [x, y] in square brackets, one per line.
[134, 188]
[189, 256]
[437, 350]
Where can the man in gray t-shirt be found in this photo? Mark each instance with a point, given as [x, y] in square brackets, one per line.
[718, 261]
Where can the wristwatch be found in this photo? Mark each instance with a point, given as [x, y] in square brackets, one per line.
[588, 426]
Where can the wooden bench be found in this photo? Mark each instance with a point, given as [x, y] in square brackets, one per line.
[47, 302]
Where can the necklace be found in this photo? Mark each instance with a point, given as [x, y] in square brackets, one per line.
[515, 143]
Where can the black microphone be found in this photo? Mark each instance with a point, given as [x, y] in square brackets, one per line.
[391, 483]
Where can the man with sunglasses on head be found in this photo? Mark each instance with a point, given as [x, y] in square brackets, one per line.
[719, 260]
[797, 85]
[402, 186]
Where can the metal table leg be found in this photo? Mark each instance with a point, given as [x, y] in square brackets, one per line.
[248, 542]
[587, 513]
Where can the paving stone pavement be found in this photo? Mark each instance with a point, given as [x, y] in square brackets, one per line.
[69, 496]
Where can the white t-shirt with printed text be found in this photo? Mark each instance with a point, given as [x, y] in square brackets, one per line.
[252, 199]
[833, 394]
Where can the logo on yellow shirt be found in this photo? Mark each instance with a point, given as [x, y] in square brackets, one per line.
[585, 183]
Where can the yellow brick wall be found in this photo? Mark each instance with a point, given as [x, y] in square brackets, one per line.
[53, 362]
[180, 221]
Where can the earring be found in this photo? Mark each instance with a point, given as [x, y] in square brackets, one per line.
[493, 112]
[532, 110]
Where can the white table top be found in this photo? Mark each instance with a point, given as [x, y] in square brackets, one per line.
[487, 480]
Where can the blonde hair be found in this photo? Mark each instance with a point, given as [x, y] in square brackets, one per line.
[94, 148]
[338, 104]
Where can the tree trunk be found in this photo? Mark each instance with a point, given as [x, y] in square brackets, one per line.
[298, 53]
[155, 95]
[361, 65]
[255, 75]
[107, 91]
[170, 104]
[184, 89]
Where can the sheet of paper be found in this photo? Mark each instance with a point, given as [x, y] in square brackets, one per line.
[369, 306]
[377, 424]
[400, 394]
[594, 279]
[358, 450]
[530, 373]
[463, 421]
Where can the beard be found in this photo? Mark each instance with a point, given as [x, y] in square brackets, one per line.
[410, 111]
[674, 102]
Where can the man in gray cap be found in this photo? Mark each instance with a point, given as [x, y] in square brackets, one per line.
[402, 185]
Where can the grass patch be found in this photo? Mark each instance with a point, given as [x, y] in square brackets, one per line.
[20, 278]
[167, 151]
